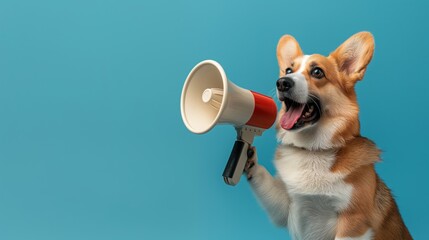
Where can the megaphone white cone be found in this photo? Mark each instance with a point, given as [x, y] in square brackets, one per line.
[208, 98]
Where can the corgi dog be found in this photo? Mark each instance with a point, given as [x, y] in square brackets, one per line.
[326, 186]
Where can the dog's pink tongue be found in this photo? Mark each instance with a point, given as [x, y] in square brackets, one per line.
[290, 117]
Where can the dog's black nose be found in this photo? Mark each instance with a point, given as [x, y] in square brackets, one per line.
[285, 83]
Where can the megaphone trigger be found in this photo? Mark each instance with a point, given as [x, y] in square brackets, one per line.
[250, 153]
[239, 154]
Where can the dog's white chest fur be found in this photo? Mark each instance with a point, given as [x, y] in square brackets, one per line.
[316, 194]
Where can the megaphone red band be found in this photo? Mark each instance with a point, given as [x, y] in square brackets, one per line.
[264, 113]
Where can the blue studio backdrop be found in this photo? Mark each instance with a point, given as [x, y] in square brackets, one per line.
[92, 144]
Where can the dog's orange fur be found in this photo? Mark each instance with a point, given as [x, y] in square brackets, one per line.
[372, 205]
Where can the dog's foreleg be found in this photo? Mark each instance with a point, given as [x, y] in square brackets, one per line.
[270, 191]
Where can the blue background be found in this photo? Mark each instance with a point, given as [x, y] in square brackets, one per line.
[92, 144]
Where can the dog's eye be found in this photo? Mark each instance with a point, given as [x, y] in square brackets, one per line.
[288, 70]
[317, 73]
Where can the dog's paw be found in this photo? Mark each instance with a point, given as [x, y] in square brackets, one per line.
[251, 163]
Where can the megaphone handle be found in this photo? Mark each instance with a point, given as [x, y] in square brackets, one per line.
[235, 166]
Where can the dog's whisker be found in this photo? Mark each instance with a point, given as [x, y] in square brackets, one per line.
[273, 94]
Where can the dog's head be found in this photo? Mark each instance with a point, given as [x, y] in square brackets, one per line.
[319, 105]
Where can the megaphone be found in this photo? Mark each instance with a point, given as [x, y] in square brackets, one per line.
[209, 98]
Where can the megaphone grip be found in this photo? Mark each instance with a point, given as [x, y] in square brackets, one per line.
[237, 160]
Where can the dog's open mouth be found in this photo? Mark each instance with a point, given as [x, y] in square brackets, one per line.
[298, 115]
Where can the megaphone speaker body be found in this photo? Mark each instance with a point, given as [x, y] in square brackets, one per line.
[209, 98]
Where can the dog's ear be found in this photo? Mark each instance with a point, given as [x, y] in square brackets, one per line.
[353, 56]
[287, 50]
